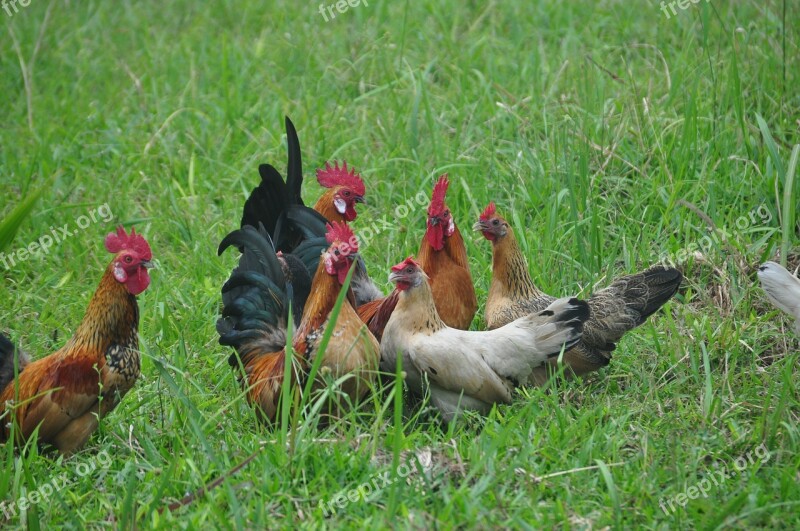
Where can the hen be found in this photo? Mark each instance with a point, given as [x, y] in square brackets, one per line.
[470, 370]
[255, 319]
[615, 310]
[444, 259]
[65, 394]
[782, 289]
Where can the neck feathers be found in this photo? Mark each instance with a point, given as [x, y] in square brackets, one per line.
[509, 271]
[418, 310]
[324, 291]
[111, 318]
[326, 207]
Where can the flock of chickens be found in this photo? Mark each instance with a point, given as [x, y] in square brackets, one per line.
[300, 276]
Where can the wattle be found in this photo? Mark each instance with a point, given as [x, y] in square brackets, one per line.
[435, 235]
[341, 274]
[138, 282]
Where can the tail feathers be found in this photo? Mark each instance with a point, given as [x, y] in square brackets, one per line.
[533, 339]
[296, 224]
[294, 173]
[782, 289]
[258, 253]
[255, 297]
[309, 253]
[375, 313]
[660, 283]
[7, 362]
[627, 303]
[298, 283]
[560, 325]
[267, 201]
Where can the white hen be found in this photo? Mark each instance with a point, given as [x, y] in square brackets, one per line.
[470, 370]
[782, 289]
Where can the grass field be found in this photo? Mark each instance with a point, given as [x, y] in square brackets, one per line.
[613, 135]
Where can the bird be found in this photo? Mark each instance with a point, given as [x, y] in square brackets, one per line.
[782, 289]
[255, 314]
[615, 310]
[470, 369]
[65, 394]
[277, 204]
[444, 259]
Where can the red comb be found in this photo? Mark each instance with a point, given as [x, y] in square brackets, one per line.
[437, 199]
[335, 176]
[408, 261]
[489, 212]
[119, 241]
[341, 232]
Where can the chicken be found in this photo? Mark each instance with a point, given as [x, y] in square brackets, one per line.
[444, 259]
[470, 370]
[782, 289]
[274, 201]
[255, 320]
[65, 394]
[620, 307]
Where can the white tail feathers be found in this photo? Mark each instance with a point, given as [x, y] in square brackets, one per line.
[782, 289]
[559, 325]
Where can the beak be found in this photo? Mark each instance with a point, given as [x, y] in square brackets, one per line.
[148, 264]
[360, 199]
[479, 226]
[394, 277]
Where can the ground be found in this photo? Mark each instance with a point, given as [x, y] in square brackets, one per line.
[614, 134]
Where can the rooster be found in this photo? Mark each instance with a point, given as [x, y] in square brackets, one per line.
[470, 370]
[66, 393]
[276, 203]
[620, 307]
[782, 289]
[444, 259]
[255, 319]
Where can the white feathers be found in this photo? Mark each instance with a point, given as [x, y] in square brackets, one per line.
[782, 289]
[474, 370]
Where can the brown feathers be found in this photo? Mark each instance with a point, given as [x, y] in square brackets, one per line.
[64, 393]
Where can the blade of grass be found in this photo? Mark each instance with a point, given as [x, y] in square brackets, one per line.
[788, 218]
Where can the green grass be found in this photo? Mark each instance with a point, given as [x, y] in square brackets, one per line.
[610, 134]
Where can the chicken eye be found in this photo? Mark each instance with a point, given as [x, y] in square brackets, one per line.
[409, 269]
[336, 252]
[446, 214]
[495, 222]
[128, 259]
[347, 193]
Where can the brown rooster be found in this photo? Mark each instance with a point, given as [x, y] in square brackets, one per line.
[255, 319]
[470, 370]
[444, 259]
[66, 393]
[620, 307]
